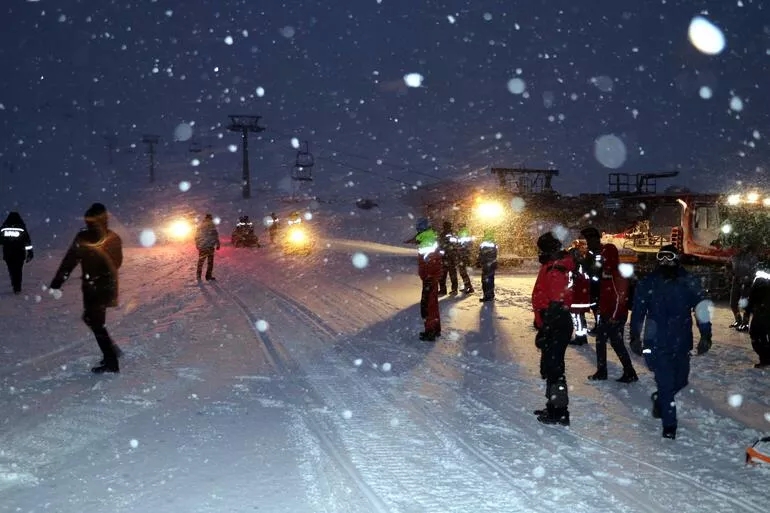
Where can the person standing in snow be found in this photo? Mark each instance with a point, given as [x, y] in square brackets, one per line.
[464, 240]
[99, 252]
[551, 301]
[613, 313]
[273, 228]
[206, 241]
[448, 245]
[593, 268]
[581, 294]
[17, 248]
[758, 309]
[742, 267]
[430, 269]
[487, 260]
[666, 299]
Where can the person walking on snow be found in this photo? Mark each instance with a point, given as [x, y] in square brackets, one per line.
[99, 252]
[487, 260]
[17, 248]
[430, 269]
[666, 299]
[613, 313]
[464, 240]
[742, 267]
[206, 241]
[758, 309]
[551, 301]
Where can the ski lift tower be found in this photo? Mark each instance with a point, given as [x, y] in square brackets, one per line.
[244, 125]
[151, 141]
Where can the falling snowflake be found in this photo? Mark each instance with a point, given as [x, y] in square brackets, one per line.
[705, 36]
[413, 79]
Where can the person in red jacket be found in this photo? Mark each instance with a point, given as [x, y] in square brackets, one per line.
[551, 301]
[430, 267]
[613, 314]
[581, 293]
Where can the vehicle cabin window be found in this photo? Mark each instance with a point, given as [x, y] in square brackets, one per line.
[706, 224]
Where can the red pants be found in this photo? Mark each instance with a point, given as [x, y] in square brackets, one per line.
[429, 306]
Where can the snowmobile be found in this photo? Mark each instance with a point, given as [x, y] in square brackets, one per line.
[243, 235]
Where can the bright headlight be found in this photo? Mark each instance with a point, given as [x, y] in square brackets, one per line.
[179, 229]
[489, 210]
[297, 236]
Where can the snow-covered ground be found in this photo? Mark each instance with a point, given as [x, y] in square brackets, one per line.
[298, 384]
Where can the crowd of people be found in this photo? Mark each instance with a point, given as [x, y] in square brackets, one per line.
[588, 277]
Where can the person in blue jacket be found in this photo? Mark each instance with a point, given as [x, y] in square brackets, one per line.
[666, 299]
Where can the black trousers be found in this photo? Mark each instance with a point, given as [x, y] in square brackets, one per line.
[203, 256]
[450, 270]
[95, 317]
[15, 267]
[488, 283]
[759, 331]
[612, 332]
[552, 340]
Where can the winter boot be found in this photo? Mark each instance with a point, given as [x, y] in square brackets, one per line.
[453, 292]
[427, 336]
[655, 406]
[629, 376]
[580, 340]
[599, 375]
[118, 354]
[669, 432]
[468, 290]
[101, 369]
[553, 415]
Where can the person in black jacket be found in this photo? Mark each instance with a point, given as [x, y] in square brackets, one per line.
[759, 310]
[17, 247]
[99, 251]
[206, 241]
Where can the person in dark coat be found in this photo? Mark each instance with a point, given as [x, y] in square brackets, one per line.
[551, 301]
[742, 267]
[273, 228]
[758, 309]
[593, 268]
[666, 299]
[487, 260]
[613, 313]
[448, 244]
[17, 248]
[581, 293]
[464, 241]
[99, 252]
[206, 241]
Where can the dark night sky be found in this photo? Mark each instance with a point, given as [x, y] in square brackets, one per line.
[332, 72]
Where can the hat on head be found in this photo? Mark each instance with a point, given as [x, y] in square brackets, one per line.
[422, 224]
[548, 243]
[489, 236]
[590, 232]
[668, 255]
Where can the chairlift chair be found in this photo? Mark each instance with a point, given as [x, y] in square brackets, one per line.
[303, 165]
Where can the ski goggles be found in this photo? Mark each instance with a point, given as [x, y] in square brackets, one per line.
[666, 256]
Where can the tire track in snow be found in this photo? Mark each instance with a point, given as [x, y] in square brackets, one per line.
[286, 365]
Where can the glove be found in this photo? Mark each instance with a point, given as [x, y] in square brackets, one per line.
[538, 319]
[636, 346]
[704, 344]
[540, 339]
[30, 256]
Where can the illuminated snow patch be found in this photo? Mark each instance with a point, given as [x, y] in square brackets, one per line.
[347, 414]
[394, 422]
[705, 92]
[183, 132]
[260, 91]
[288, 32]
[767, 416]
[195, 162]
[147, 238]
[386, 367]
[294, 143]
[705, 36]
[134, 443]
[357, 362]
[538, 471]
[229, 40]
[413, 79]
[736, 104]
[360, 260]
[232, 148]
[454, 336]
[518, 204]
[262, 326]
[184, 186]
[610, 151]
[626, 270]
[517, 86]
[735, 400]
[703, 310]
